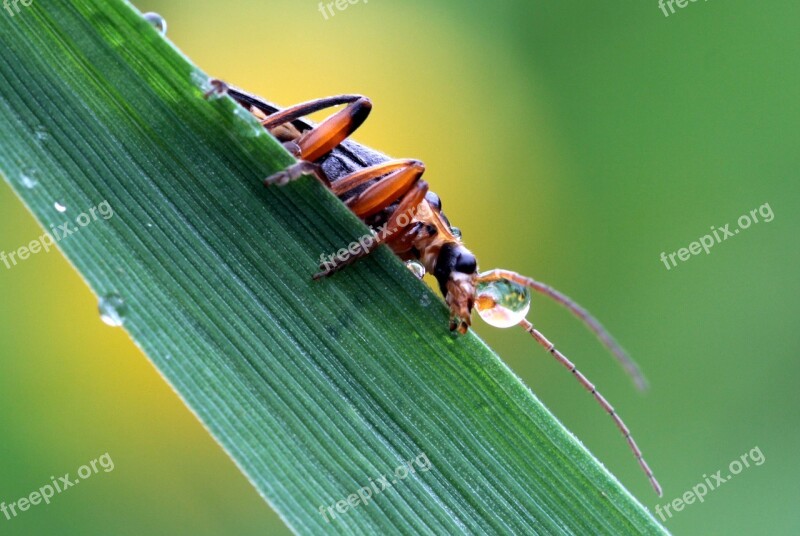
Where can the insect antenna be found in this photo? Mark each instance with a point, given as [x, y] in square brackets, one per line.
[589, 321]
[550, 347]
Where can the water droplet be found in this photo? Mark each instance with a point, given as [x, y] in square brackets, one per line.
[416, 268]
[42, 134]
[502, 303]
[59, 206]
[198, 78]
[157, 21]
[456, 232]
[254, 127]
[425, 299]
[28, 178]
[112, 310]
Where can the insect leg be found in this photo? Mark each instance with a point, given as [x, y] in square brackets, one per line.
[322, 139]
[294, 172]
[387, 190]
[347, 120]
[299, 110]
[393, 229]
[357, 178]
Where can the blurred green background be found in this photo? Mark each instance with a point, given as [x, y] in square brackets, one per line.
[570, 141]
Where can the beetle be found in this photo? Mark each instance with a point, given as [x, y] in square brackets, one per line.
[382, 191]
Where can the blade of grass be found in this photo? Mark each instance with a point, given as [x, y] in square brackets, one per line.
[315, 389]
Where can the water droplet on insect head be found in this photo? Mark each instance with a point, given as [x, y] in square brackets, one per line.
[502, 303]
[59, 206]
[157, 21]
[28, 178]
[112, 310]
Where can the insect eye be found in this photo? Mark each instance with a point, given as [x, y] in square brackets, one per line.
[502, 303]
[466, 263]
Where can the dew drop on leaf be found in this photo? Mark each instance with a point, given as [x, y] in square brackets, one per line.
[416, 268]
[157, 21]
[42, 134]
[112, 310]
[425, 299]
[28, 178]
[253, 127]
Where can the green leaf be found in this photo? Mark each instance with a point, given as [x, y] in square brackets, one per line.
[315, 389]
